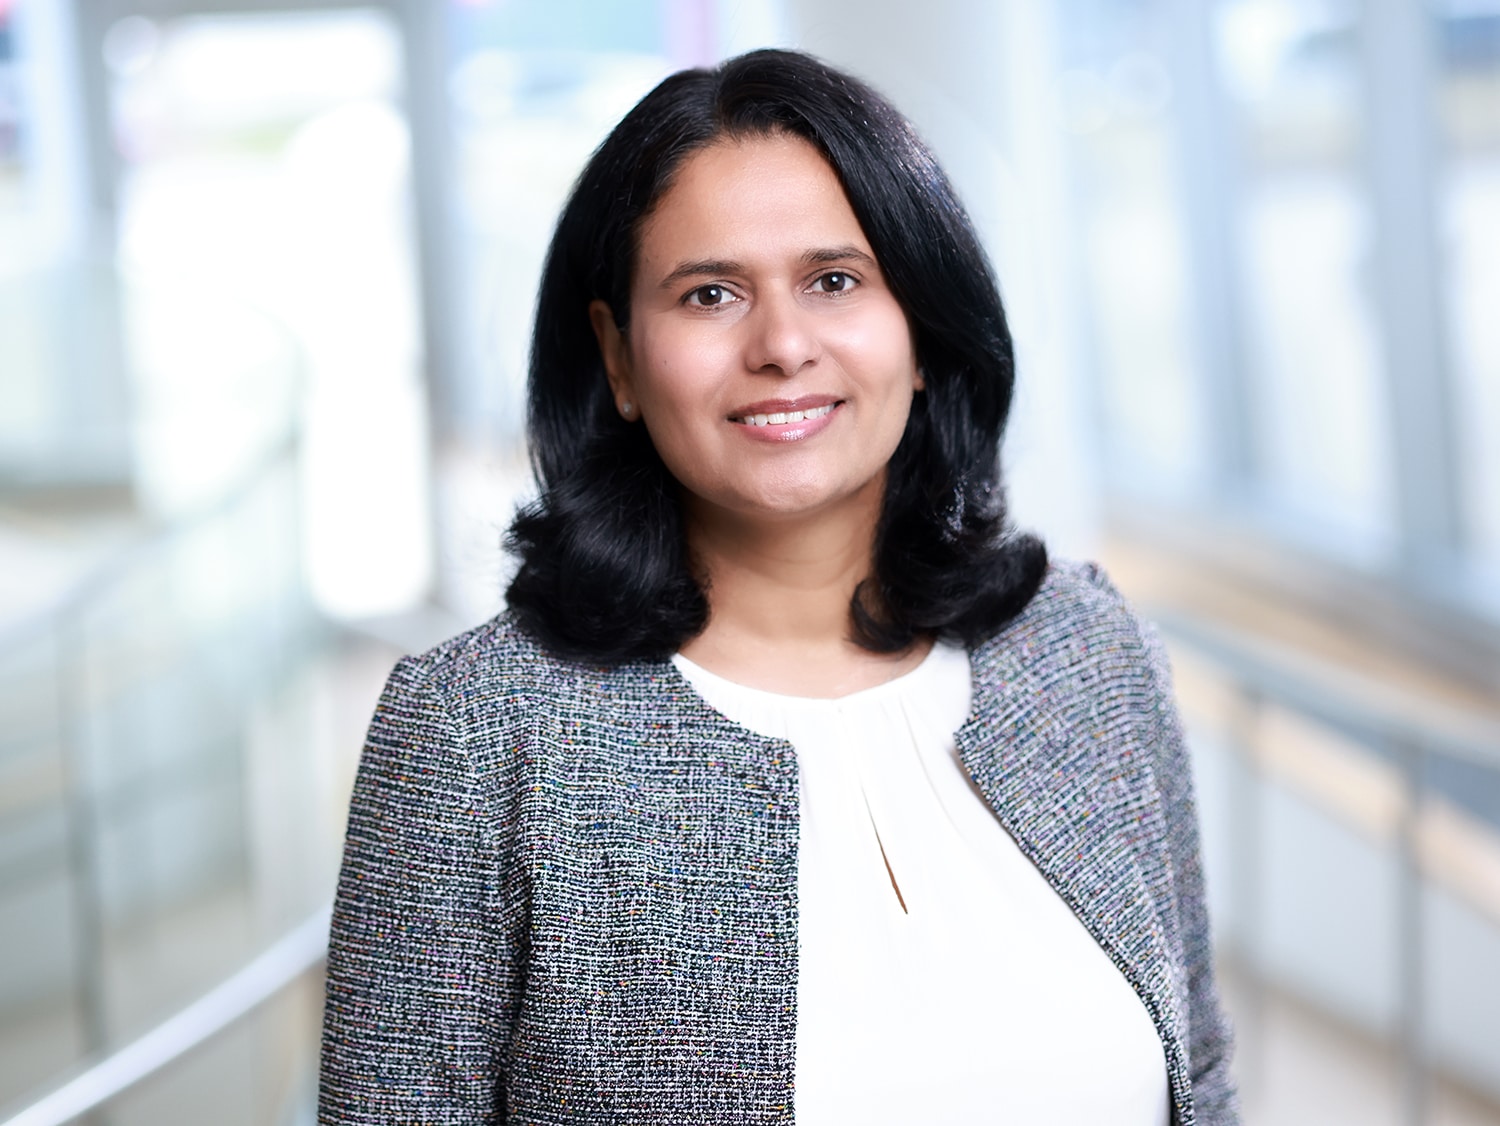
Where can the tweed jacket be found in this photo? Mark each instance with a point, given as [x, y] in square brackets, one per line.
[569, 893]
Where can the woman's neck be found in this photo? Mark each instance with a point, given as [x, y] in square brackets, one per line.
[779, 594]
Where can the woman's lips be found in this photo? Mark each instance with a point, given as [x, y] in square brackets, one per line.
[785, 420]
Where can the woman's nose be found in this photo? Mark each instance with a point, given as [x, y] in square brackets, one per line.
[783, 336]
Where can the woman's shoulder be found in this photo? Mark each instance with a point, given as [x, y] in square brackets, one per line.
[500, 659]
[495, 648]
[1077, 597]
[491, 707]
[1078, 624]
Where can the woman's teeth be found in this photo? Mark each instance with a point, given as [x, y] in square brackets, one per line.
[780, 418]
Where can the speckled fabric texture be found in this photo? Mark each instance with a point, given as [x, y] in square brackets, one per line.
[569, 894]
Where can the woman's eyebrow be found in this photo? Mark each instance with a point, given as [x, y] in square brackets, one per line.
[723, 267]
[837, 254]
[704, 267]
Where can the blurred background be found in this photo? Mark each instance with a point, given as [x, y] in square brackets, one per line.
[266, 273]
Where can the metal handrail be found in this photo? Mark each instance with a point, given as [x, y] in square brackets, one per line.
[1357, 705]
[298, 952]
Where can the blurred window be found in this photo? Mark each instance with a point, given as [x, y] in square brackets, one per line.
[1116, 97]
[1320, 431]
[10, 110]
[41, 190]
[268, 155]
[1468, 208]
[1225, 194]
[534, 88]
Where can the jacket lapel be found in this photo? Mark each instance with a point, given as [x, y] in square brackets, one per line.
[1085, 814]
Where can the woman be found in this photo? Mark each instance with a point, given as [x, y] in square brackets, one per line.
[791, 783]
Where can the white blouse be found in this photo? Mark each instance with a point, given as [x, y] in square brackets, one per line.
[908, 887]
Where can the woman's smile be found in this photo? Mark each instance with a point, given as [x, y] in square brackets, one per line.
[783, 420]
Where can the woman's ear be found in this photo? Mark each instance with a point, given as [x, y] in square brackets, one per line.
[616, 355]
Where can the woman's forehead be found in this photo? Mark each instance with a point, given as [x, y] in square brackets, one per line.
[760, 197]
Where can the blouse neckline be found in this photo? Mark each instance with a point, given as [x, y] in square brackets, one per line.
[912, 680]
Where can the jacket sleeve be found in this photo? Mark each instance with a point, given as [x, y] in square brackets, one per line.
[1215, 1102]
[419, 986]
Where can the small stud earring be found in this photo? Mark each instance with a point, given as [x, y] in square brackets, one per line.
[627, 408]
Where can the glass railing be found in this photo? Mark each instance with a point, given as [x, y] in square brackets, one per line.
[170, 789]
[1352, 840]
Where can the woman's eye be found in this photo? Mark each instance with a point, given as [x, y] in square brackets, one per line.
[709, 295]
[834, 283]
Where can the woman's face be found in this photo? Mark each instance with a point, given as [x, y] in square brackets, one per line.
[769, 361]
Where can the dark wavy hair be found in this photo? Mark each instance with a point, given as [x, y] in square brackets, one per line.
[605, 573]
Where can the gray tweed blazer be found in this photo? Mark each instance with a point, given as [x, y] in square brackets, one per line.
[569, 893]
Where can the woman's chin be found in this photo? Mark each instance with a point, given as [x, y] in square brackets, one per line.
[796, 502]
